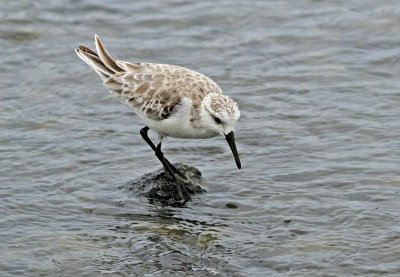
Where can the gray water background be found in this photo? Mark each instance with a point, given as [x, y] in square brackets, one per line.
[318, 86]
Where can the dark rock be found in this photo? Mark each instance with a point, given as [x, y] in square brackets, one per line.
[231, 206]
[156, 185]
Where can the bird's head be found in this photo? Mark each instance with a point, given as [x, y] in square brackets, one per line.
[220, 114]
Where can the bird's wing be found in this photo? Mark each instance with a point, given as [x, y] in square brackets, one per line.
[145, 90]
[153, 90]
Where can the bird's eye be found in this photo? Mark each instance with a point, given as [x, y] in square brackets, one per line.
[217, 120]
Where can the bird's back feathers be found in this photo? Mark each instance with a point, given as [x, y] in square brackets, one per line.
[151, 90]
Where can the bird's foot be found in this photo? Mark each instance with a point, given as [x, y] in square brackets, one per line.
[172, 173]
[180, 180]
[168, 174]
[183, 192]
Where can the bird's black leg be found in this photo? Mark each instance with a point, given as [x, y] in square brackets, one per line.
[168, 167]
[168, 170]
[143, 133]
[180, 187]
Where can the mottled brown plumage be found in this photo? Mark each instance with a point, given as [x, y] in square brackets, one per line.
[151, 90]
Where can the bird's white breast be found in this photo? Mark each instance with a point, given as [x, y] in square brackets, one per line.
[178, 125]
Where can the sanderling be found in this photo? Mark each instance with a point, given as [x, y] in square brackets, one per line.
[173, 101]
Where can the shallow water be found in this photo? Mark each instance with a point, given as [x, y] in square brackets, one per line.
[319, 91]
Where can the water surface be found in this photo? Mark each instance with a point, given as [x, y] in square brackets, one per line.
[318, 86]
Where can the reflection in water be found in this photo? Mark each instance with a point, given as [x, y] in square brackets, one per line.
[186, 242]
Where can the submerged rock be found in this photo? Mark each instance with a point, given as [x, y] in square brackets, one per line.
[156, 185]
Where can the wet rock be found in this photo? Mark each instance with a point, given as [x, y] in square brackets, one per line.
[156, 185]
[231, 206]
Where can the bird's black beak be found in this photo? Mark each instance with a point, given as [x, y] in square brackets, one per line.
[230, 138]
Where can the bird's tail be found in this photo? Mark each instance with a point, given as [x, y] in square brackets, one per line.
[101, 62]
